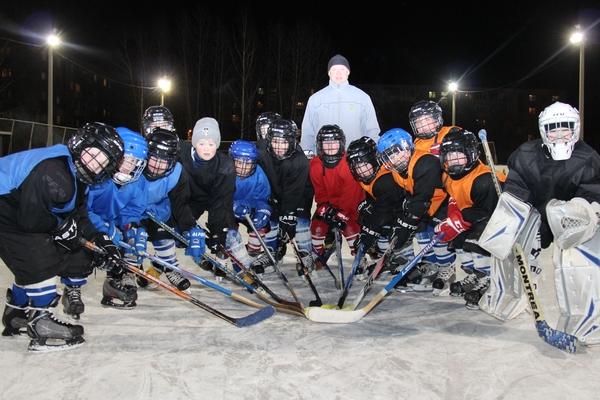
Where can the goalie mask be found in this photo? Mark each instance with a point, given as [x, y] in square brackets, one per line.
[459, 153]
[245, 157]
[362, 159]
[163, 153]
[331, 144]
[395, 148]
[263, 122]
[282, 138]
[96, 151]
[134, 158]
[157, 117]
[426, 119]
[559, 127]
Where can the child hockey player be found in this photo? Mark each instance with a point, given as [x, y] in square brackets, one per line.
[157, 117]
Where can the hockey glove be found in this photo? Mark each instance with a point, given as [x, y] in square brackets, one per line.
[341, 220]
[141, 240]
[405, 229]
[241, 208]
[113, 232]
[452, 226]
[261, 218]
[216, 240]
[197, 243]
[287, 226]
[365, 208]
[109, 262]
[67, 235]
[367, 237]
[326, 212]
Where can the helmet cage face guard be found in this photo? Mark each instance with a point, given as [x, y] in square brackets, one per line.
[263, 122]
[559, 128]
[163, 154]
[322, 140]
[245, 158]
[423, 128]
[92, 167]
[460, 149]
[282, 138]
[157, 117]
[396, 158]
[362, 160]
[130, 170]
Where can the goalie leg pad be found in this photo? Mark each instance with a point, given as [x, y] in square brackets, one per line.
[505, 226]
[577, 279]
[506, 298]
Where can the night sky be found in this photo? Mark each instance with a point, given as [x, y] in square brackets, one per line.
[488, 43]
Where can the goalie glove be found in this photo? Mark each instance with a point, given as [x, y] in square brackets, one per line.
[452, 226]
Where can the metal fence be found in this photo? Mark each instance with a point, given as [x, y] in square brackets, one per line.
[17, 135]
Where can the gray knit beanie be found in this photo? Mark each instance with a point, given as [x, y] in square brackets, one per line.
[338, 60]
[206, 128]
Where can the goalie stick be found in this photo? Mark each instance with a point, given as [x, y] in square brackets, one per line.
[275, 264]
[279, 304]
[242, 322]
[318, 314]
[558, 339]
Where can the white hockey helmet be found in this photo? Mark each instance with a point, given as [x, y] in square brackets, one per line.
[555, 122]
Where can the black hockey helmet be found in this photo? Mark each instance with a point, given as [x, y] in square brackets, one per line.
[157, 117]
[456, 144]
[163, 153]
[330, 133]
[287, 130]
[263, 122]
[360, 154]
[102, 137]
[425, 108]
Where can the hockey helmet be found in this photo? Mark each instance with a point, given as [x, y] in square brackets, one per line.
[425, 118]
[395, 148]
[459, 152]
[245, 157]
[559, 126]
[330, 134]
[282, 138]
[163, 153]
[362, 159]
[134, 158]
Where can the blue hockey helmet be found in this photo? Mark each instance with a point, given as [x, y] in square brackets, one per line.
[395, 147]
[245, 156]
[134, 159]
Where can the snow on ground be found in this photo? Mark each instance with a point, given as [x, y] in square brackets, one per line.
[412, 345]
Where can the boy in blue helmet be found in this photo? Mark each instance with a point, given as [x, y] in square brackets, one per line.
[251, 197]
[418, 173]
[116, 207]
[168, 198]
[42, 217]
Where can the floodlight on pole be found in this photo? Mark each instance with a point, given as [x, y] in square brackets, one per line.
[52, 40]
[164, 86]
[579, 39]
[453, 88]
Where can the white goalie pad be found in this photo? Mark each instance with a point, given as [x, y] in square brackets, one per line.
[572, 222]
[577, 279]
[505, 225]
[506, 298]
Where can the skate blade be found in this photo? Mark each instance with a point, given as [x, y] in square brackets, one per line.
[41, 346]
[72, 317]
[108, 303]
[22, 334]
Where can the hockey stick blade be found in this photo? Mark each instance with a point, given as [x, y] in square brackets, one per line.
[251, 319]
[325, 315]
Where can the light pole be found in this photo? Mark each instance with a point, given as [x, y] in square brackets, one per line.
[453, 88]
[164, 85]
[52, 41]
[578, 38]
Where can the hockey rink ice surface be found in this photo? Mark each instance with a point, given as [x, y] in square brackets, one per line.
[411, 346]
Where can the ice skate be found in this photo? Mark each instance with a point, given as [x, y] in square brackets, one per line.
[73, 306]
[363, 270]
[430, 273]
[14, 318]
[309, 263]
[146, 284]
[265, 262]
[408, 283]
[48, 333]
[178, 280]
[473, 296]
[123, 290]
[446, 273]
[458, 289]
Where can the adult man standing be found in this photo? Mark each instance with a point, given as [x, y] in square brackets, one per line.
[341, 104]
